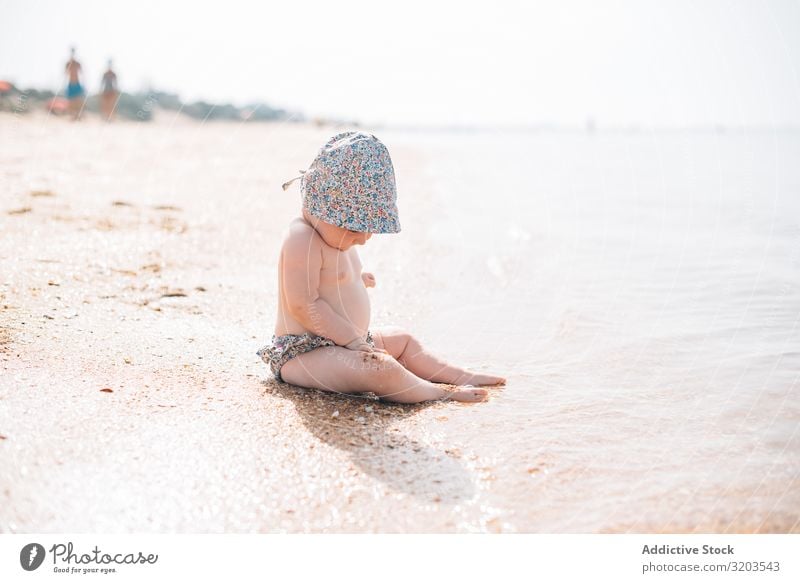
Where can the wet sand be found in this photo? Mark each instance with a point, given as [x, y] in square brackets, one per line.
[138, 281]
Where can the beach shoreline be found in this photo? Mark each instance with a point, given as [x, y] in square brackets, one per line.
[138, 281]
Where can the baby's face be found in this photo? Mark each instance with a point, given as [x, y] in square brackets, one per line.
[337, 237]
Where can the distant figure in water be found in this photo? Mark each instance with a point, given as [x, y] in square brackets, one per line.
[75, 92]
[322, 337]
[110, 94]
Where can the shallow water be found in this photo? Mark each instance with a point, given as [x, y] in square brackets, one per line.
[642, 293]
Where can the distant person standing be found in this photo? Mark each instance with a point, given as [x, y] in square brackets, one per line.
[75, 90]
[108, 101]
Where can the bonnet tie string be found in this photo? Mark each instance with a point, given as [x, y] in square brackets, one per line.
[286, 185]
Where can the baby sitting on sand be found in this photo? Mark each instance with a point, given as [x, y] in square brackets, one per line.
[322, 338]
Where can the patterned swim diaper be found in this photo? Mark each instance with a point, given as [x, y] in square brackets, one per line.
[284, 348]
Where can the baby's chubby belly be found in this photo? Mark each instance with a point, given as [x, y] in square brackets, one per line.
[350, 300]
[340, 286]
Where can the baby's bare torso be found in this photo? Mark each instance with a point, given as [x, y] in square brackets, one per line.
[339, 284]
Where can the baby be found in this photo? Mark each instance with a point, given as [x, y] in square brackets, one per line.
[322, 337]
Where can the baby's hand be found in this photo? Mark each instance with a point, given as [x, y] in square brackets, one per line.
[368, 279]
[359, 344]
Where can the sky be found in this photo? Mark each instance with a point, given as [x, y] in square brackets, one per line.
[640, 62]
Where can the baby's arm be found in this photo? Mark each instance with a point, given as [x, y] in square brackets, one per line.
[302, 262]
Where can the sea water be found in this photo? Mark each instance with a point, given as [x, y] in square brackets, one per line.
[641, 291]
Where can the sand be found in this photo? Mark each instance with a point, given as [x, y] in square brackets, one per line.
[137, 281]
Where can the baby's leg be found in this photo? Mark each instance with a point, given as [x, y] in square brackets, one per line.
[410, 353]
[342, 370]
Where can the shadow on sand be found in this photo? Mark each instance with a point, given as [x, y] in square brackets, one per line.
[364, 428]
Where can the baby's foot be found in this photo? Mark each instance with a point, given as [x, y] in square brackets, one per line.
[481, 380]
[468, 394]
